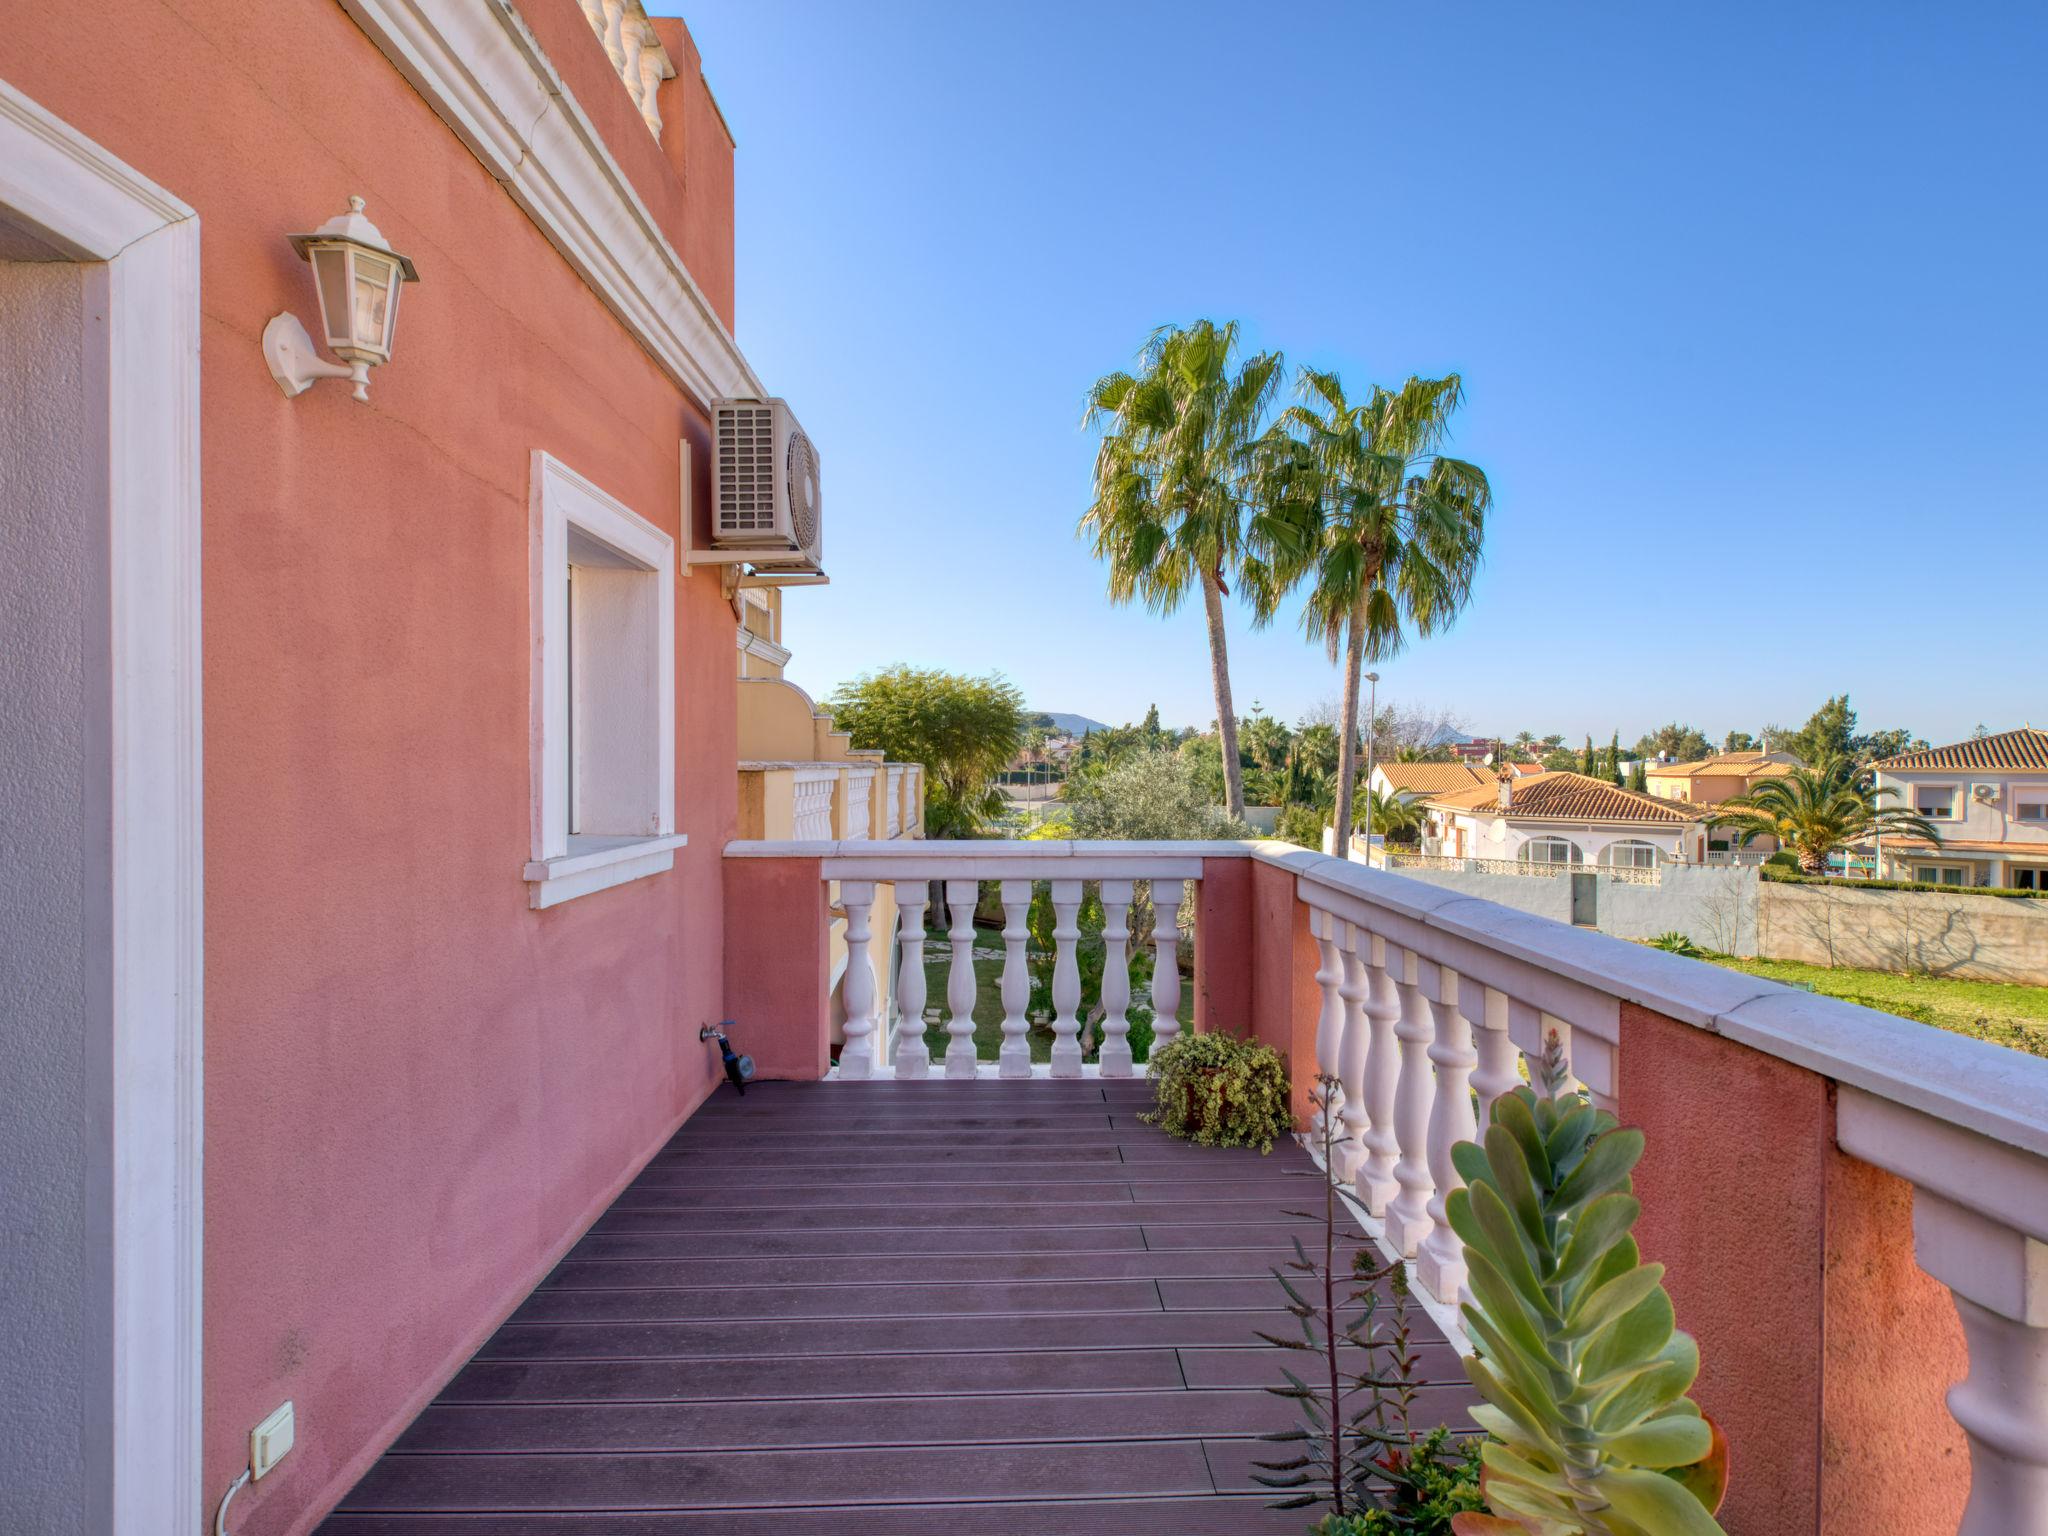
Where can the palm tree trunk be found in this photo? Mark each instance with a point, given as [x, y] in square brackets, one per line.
[1226, 714]
[1347, 741]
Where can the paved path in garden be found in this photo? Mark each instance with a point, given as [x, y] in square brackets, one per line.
[889, 1309]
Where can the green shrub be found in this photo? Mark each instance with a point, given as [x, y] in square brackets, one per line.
[1675, 943]
[1219, 1091]
[1791, 874]
[1426, 1488]
[1302, 825]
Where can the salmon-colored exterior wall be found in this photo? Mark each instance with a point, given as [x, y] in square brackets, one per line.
[1825, 1350]
[418, 1091]
[777, 965]
[1255, 965]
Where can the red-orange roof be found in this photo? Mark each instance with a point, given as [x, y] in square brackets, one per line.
[1572, 797]
[2020, 751]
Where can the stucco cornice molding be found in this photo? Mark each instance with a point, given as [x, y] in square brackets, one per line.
[485, 75]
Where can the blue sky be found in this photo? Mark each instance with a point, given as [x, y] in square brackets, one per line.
[1749, 301]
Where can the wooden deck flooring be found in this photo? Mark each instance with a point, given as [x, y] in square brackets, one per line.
[881, 1309]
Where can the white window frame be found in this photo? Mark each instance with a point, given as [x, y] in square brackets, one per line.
[563, 504]
[1633, 846]
[94, 208]
[1954, 793]
[1576, 856]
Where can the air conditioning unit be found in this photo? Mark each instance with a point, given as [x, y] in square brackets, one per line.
[1984, 794]
[764, 485]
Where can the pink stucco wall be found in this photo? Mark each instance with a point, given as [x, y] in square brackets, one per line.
[418, 1091]
[1255, 965]
[778, 965]
[1825, 1350]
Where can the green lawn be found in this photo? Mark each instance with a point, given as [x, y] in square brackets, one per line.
[2010, 1015]
[988, 1004]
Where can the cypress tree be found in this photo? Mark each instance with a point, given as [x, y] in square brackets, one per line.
[1586, 763]
[1614, 759]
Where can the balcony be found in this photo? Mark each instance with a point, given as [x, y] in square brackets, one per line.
[905, 1291]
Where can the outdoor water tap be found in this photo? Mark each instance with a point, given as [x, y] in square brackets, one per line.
[738, 1068]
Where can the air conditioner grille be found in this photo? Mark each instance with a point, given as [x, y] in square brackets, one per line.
[803, 491]
[746, 469]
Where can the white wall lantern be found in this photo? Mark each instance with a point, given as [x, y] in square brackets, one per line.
[357, 277]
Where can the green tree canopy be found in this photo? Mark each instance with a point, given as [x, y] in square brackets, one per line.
[1682, 743]
[1829, 733]
[1738, 741]
[964, 730]
[1149, 796]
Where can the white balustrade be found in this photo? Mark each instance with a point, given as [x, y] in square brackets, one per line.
[1114, 1055]
[961, 986]
[1166, 899]
[1348, 1150]
[913, 1056]
[1440, 1261]
[1322, 928]
[1408, 1216]
[1066, 978]
[1014, 1057]
[892, 795]
[858, 786]
[635, 51]
[1375, 1181]
[857, 984]
[811, 790]
[1495, 1074]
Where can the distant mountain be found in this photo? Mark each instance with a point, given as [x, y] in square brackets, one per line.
[1073, 725]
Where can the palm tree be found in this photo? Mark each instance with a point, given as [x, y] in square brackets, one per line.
[1390, 815]
[1384, 529]
[1812, 812]
[1172, 485]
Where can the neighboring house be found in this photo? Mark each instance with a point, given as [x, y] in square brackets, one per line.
[1564, 818]
[1989, 800]
[1714, 779]
[1421, 781]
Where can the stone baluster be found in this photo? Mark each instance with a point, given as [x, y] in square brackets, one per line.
[1496, 1073]
[1998, 1277]
[1115, 1054]
[1375, 1179]
[1014, 1059]
[1066, 979]
[857, 984]
[1348, 1152]
[1440, 1263]
[614, 32]
[1166, 896]
[629, 60]
[913, 1056]
[960, 983]
[1322, 928]
[1408, 1212]
[654, 69]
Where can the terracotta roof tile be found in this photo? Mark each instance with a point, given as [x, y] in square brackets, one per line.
[1433, 778]
[2021, 751]
[1723, 765]
[1573, 797]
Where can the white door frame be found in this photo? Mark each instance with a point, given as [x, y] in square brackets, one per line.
[83, 201]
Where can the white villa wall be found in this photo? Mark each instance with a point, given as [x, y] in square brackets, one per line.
[1490, 837]
[1714, 906]
[1993, 821]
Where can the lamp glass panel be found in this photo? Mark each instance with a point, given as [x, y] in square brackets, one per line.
[372, 286]
[391, 315]
[330, 276]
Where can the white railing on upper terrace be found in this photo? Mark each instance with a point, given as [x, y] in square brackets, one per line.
[1428, 1001]
[1013, 868]
[1621, 874]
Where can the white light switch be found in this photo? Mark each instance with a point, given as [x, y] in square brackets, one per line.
[270, 1440]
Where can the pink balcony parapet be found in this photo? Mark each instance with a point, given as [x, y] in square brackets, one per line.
[1853, 1207]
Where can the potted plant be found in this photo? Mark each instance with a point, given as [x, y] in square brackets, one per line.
[1219, 1091]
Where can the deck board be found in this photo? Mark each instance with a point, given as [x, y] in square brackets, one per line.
[889, 1308]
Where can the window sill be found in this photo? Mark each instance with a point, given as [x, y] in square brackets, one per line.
[596, 864]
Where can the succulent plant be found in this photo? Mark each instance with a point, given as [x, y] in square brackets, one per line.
[1583, 1371]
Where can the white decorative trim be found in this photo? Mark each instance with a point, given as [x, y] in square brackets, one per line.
[556, 880]
[480, 68]
[93, 207]
[559, 500]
